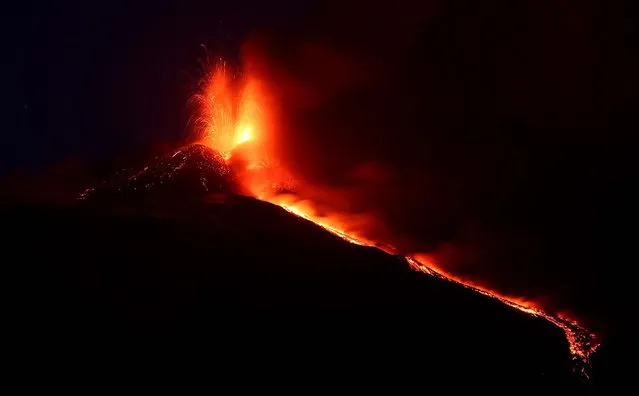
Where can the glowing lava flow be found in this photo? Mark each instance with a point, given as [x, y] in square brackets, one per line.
[582, 343]
[297, 212]
[237, 127]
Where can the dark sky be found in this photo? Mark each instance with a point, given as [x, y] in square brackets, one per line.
[82, 78]
[506, 129]
[92, 78]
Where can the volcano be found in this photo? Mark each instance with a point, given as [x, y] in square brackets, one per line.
[155, 263]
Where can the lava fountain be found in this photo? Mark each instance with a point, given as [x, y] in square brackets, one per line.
[235, 119]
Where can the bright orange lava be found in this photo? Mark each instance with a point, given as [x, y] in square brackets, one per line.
[239, 126]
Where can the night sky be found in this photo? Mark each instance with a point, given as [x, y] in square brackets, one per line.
[505, 130]
[91, 79]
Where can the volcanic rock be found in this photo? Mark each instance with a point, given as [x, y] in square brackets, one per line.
[188, 174]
